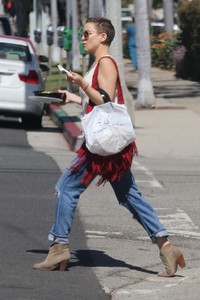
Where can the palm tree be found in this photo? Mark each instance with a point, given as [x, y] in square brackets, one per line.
[113, 12]
[149, 8]
[75, 47]
[68, 12]
[168, 15]
[55, 50]
[96, 8]
[145, 97]
[83, 7]
[22, 9]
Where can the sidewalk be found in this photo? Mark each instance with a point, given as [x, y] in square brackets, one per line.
[174, 120]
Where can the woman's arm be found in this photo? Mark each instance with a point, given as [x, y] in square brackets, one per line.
[107, 80]
[107, 77]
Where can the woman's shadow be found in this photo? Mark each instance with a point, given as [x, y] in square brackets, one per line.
[96, 258]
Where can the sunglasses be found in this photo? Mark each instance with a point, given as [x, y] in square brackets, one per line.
[87, 33]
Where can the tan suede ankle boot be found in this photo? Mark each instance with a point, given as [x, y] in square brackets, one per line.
[58, 257]
[171, 257]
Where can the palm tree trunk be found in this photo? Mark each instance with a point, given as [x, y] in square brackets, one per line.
[68, 13]
[21, 18]
[75, 45]
[55, 50]
[149, 8]
[145, 97]
[96, 8]
[113, 12]
[168, 15]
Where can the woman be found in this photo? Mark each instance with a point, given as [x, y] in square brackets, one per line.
[97, 87]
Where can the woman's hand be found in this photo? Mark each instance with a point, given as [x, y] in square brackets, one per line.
[65, 96]
[69, 97]
[76, 78]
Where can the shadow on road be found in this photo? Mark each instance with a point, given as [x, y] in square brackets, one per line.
[95, 258]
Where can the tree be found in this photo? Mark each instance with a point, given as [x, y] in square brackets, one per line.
[75, 45]
[149, 8]
[22, 10]
[83, 8]
[55, 50]
[189, 15]
[113, 12]
[168, 15]
[96, 8]
[145, 96]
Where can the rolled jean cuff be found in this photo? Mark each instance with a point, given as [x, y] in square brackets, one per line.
[59, 240]
[161, 233]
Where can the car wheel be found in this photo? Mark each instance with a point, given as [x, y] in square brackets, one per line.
[32, 122]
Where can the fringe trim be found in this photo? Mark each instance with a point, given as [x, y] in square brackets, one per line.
[110, 168]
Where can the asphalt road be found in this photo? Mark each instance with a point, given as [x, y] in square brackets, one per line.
[27, 180]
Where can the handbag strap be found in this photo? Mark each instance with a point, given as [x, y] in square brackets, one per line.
[96, 86]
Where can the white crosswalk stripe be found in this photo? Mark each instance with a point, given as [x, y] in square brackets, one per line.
[177, 222]
[149, 179]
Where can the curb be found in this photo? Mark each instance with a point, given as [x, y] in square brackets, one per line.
[67, 124]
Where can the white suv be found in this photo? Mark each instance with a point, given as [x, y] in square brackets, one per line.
[20, 76]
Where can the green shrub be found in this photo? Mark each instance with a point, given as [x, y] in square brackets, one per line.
[162, 47]
[189, 16]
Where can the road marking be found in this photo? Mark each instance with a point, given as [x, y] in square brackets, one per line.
[146, 291]
[176, 222]
[102, 234]
[123, 292]
[151, 181]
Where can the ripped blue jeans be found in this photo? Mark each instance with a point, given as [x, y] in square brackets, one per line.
[69, 188]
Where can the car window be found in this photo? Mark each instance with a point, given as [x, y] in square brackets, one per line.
[14, 52]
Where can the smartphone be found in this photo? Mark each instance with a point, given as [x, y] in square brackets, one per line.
[63, 69]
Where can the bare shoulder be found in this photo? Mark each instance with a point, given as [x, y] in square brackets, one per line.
[107, 63]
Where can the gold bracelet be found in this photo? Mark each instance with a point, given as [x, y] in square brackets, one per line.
[85, 88]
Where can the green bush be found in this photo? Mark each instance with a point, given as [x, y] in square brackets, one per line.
[189, 16]
[162, 47]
